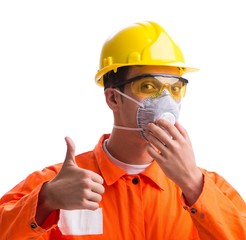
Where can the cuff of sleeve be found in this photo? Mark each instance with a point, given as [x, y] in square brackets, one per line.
[209, 196]
[196, 210]
[49, 223]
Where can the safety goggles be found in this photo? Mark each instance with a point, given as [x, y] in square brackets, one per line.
[152, 85]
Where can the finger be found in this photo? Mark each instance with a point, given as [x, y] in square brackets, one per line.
[98, 188]
[158, 150]
[95, 197]
[181, 129]
[96, 177]
[155, 142]
[70, 155]
[90, 205]
[183, 132]
[169, 128]
[157, 134]
[155, 154]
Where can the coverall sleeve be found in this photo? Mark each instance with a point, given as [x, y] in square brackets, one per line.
[220, 212]
[18, 208]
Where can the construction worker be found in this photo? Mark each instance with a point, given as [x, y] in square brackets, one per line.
[141, 181]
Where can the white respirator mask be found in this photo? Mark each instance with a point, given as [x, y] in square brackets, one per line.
[152, 109]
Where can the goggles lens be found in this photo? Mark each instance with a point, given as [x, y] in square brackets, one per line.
[154, 85]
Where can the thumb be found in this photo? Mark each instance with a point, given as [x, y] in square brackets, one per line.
[70, 155]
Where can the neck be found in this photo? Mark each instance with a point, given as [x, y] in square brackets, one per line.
[128, 147]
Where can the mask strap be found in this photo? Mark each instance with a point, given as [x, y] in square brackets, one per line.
[130, 98]
[138, 103]
[127, 128]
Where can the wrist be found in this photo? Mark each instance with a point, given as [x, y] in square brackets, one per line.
[44, 208]
[193, 188]
[44, 200]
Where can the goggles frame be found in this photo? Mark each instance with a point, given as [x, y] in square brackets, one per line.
[181, 79]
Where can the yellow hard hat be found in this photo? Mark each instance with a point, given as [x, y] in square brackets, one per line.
[144, 43]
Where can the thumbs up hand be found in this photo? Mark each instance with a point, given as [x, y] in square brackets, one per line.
[74, 187]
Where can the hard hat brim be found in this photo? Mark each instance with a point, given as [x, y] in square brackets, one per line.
[183, 69]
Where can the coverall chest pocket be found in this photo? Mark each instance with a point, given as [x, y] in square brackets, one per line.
[87, 224]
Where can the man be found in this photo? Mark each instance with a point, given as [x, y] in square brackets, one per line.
[141, 181]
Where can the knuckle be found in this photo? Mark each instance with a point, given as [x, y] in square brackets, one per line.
[86, 183]
[83, 203]
[85, 194]
[85, 173]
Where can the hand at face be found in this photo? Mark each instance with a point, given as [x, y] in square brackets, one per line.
[175, 156]
[74, 187]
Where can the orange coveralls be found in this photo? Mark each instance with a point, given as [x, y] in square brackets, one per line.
[134, 207]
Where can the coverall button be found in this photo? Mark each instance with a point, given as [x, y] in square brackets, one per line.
[33, 225]
[135, 180]
[193, 210]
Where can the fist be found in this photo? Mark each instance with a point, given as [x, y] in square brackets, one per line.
[74, 187]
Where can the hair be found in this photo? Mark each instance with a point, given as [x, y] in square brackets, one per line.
[112, 79]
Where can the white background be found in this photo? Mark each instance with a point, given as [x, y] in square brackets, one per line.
[49, 54]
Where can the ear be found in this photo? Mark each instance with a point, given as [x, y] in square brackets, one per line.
[112, 98]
